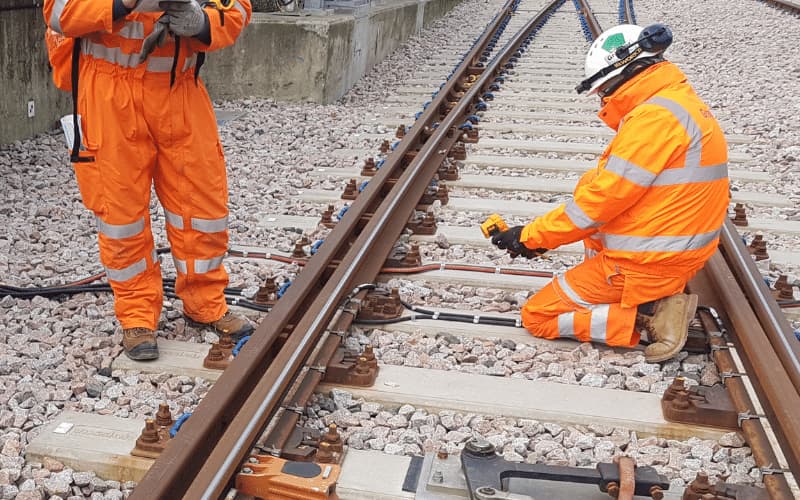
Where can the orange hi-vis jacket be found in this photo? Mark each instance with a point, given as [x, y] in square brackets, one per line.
[657, 200]
[115, 45]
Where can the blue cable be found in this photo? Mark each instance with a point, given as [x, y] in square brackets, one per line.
[346, 207]
[178, 423]
[363, 185]
[239, 345]
[283, 288]
[316, 246]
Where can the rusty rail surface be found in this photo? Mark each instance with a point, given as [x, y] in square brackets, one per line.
[205, 455]
[790, 5]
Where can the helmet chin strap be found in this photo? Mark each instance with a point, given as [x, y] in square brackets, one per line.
[632, 70]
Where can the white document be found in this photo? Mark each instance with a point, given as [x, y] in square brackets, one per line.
[69, 131]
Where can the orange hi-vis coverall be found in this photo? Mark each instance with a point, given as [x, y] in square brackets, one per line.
[650, 214]
[142, 131]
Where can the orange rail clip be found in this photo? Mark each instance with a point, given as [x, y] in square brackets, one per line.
[272, 478]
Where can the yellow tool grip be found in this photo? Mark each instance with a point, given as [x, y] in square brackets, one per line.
[222, 4]
[493, 225]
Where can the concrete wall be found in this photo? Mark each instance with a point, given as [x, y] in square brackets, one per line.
[313, 58]
[25, 75]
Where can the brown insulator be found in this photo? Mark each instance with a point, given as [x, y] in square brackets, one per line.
[400, 132]
[681, 401]
[149, 433]
[442, 194]
[698, 488]
[350, 190]
[362, 366]
[739, 215]
[299, 252]
[215, 353]
[369, 355]
[164, 416]
[386, 146]
[225, 341]
[677, 386]
[325, 453]
[786, 292]
[442, 454]
[369, 167]
[758, 247]
[266, 293]
[412, 257]
[333, 438]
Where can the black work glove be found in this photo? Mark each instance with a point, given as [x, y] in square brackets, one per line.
[509, 241]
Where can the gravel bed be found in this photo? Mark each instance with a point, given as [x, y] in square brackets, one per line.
[582, 364]
[55, 355]
[407, 430]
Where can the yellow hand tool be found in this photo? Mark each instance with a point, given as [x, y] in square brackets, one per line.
[493, 225]
[221, 4]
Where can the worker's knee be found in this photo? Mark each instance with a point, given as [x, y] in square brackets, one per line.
[539, 323]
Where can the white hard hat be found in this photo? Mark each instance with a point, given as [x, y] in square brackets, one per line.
[618, 47]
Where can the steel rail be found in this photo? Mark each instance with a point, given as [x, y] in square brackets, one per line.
[789, 5]
[378, 236]
[180, 464]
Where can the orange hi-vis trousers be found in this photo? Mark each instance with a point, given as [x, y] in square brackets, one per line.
[141, 132]
[595, 302]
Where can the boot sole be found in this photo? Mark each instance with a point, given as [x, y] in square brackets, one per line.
[692, 309]
[139, 353]
[205, 326]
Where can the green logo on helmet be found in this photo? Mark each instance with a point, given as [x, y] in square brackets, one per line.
[613, 41]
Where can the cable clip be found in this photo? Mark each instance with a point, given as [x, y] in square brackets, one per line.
[727, 375]
[435, 315]
[442, 266]
[275, 452]
[746, 416]
[295, 409]
[319, 368]
[518, 323]
[715, 348]
[768, 471]
[498, 270]
[244, 254]
[476, 319]
[340, 333]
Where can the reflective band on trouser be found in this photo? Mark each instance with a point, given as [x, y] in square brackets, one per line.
[573, 296]
[120, 231]
[115, 55]
[127, 273]
[210, 225]
[550, 313]
[55, 16]
[202, 266]
[241, 9]
[659, 243]
[173, 219]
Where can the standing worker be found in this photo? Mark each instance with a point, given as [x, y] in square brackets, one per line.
[649, 215]
[145, 118]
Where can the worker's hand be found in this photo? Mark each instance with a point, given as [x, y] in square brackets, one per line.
[156, 38]
[186, 18]
[510, 241]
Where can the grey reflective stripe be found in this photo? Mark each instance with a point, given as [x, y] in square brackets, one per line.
[672, 176]
[690, 126]
[579, 217]
[566, 325]
[189, 62]
[205, 265]
[133, 30]
[180, 265]
[659, 243]
[55, 16]
[154, 256]
[173, 219]
[119, 231]
[241, 10]
[573, 296]
[598, 325]
[630, 171]
[116, 56]
[210, 225]
[589, 252]
[127, 273]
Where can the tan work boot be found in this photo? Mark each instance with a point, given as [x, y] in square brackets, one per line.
[668, 327]
[236, 325]
[140, 343]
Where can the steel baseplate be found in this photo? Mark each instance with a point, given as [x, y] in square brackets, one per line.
[699, 405]
[479, 473]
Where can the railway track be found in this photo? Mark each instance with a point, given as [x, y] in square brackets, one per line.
[534, 136]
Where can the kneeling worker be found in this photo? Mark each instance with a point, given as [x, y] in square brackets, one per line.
[649, 215]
